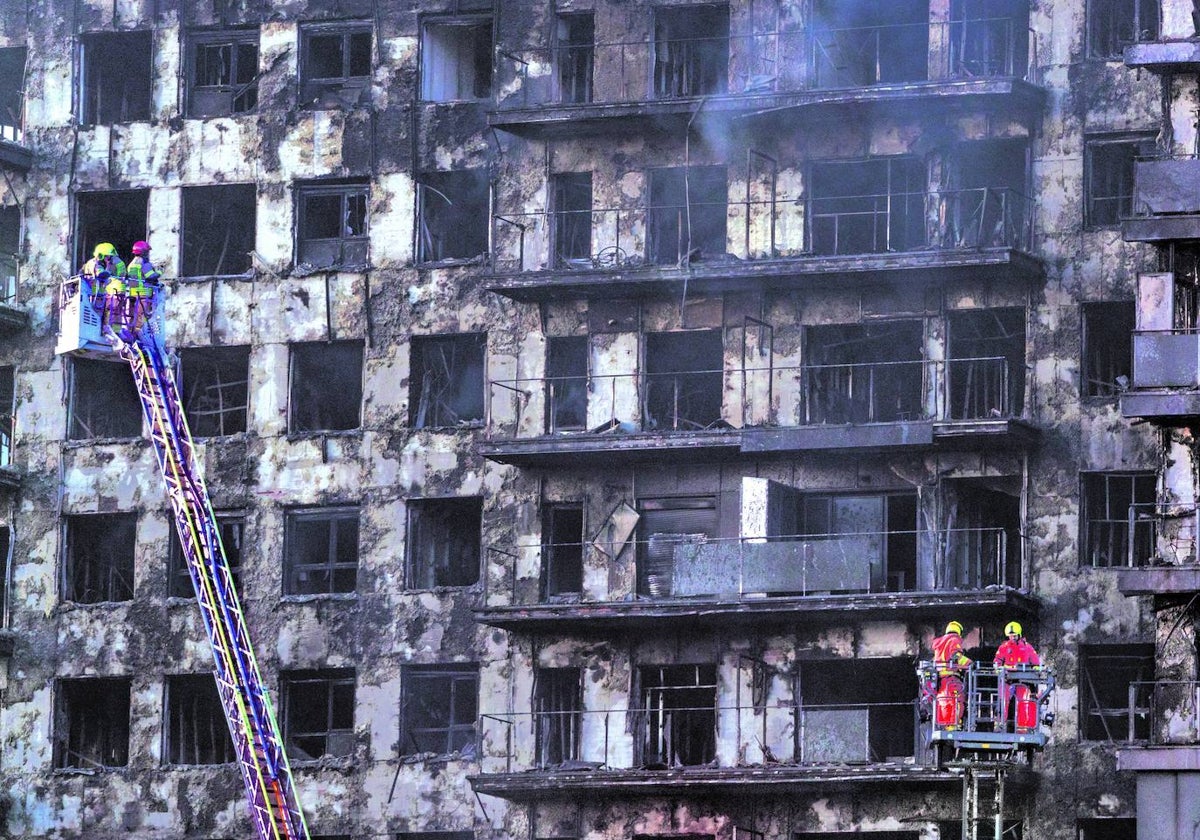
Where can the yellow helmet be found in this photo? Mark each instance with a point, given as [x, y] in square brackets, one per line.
[954, 627]
[1012, 629]
[104, 249]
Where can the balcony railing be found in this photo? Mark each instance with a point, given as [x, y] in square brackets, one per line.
[712, 736]
[1157, 713]
[838, 394]
[613, 239]
[672, 567]
[657, 69]
[1158, 534]
[1166, 359]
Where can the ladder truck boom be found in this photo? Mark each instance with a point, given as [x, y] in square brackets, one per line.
[130, 328]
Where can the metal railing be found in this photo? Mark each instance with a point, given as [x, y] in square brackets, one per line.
[672, 567]
[667, 738]
[1161, 534]
[1130, 542]
[614, 239]
[1157, 712]
[837, 57]
[830, 394]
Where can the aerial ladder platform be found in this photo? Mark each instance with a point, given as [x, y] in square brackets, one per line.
[982, 722]
[123, 327]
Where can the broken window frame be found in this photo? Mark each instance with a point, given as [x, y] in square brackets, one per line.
[558, 713]
[1107, 349]
[1109, 184]
[453, 207]
[891, 217]
[571, 218]
[1127, 704]
[325, 410]
[567, 361]
[216, 401]
[96, 738]
[331, 571]
[458, 54]
[683, 380]
[1113, 25]
[231, 525]
[446, 362]
[449, 726]
[574, 57]
[986, 363]
[337, 727]
[120, 65]
[195, 731]
[12, 100]
[690, 205]
[235, 89]
[562, 560]
[314, 82]
[116, 216]
[444, 542]
[856, 46]
[865, 372]
[98, 557]
[346, 244]
[690, 59]
[1108, 508]
[221, 244]
[677, 707]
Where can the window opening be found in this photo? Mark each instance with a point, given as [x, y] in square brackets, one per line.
[575, 55]
[224, 73]
[562, 551]
[321, 551]
[443, 542]
[679, 703]
[104, 401]
[336, 64]
[858, 45]
[573, 218]
[219, 230]
[116, 78]
[683, 380]
[1111, 828]
[446, 381]
[10, 253]
[7, 414]
[318, 713]
[92, 723]
[558, 704]
[864, 373]
[456, 59]
[12, 94]
[326, 387]
[1107, 348]
[691, 50]
[987, 364]
[116, 216]
[1115, 24]
[1113, 532]
[231, 527]
[1183, 260]
[98, 566]
[867, 206]
[333, 225]
[687, 215]
[215, 384]
[1115, 689]
[439, 709]
[860, 710]
[984, 206]
[1109, 178]
[989, 37]
[664, 525]
[877, 531]
[982, 548]
[454, 214]
[567, 383]
[196, 730]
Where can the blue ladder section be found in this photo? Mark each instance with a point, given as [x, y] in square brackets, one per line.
[274, 805]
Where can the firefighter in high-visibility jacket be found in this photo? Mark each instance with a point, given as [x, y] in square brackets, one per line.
[1015, 652]
[142, 282]
[950, 660]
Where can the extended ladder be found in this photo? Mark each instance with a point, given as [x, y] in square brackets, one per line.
[270, 789]
[981, 808]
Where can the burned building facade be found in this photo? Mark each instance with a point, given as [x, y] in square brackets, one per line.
[605, 404]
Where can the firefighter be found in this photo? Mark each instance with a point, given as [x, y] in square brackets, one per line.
[106, 272]
[143, 284]
[950, 660]
[1015, 652]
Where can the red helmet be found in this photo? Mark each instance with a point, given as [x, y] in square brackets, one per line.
[141, 247]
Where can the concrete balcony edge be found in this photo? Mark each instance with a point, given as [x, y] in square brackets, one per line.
[1164, 759]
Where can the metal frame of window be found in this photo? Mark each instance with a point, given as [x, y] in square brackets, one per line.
[1130, 720]
[348, 31]
[331, 566]
[1103, 155]
[294, 684]
[245, 91]
[460, 677]
[354, 222]
[1105, 19]
[461, 21]
[1108, 534]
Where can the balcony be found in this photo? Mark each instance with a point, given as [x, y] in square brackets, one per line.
[1159, 728]
[704, 414]
[701, 749]
[1166, 200]
[1160, 555]
[782, 243]
[672, 82]
[685, 579]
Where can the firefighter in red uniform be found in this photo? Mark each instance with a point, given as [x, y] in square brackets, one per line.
[1015, 652]
[950, 660]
